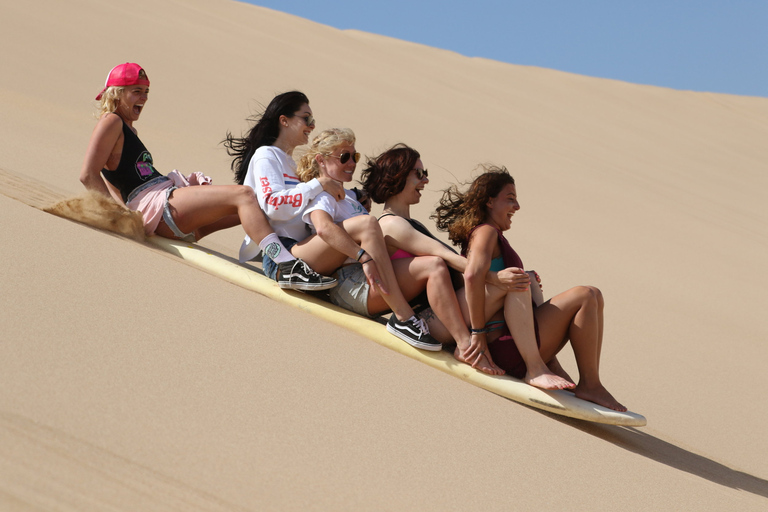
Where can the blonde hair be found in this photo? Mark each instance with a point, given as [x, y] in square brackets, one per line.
[109, 100]
[324, 144]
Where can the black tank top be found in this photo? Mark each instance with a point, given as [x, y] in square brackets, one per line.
[135, 167]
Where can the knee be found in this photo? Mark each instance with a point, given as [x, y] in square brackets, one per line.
[245, 194]
[591, 295]
[598, 296]
[369, 225]
[436, 265]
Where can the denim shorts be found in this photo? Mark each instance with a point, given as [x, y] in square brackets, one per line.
[270, 267]
[168, 219]
[352, 291]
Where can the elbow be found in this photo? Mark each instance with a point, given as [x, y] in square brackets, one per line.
[322, 231]
[471, 277]
[86, 180]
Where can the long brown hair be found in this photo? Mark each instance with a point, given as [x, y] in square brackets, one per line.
[460, 212]
[264, 132]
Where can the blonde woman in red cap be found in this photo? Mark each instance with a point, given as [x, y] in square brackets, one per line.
[117, 164]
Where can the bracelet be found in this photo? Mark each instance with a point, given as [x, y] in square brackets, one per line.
[478, 331]
[366, 261]
[360, 254]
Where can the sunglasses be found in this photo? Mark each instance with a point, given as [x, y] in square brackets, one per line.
[309, 120]
[345, 156]
[422, 173]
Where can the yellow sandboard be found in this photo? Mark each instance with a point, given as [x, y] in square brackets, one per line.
[558, 402]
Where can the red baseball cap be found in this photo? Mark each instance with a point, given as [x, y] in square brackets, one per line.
[129, 73]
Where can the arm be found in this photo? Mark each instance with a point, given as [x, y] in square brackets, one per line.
[479, 255]
[399, 233]
[267, 177]
[336, 237]
[101, 146]
[333, 234]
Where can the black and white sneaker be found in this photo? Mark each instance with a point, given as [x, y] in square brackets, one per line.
[414, 332]
[296, 275]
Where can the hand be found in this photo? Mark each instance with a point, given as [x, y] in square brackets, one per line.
[538, 280]
[514, 279]
[372, 275]
[478, 348]
[333, 187]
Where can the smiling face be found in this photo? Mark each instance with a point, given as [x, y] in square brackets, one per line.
[132, 102]
[298, 127]
[332, 166]
[414, 184]
[502, 207]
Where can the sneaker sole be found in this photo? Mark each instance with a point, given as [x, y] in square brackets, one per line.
[307, 287]
[414, 343]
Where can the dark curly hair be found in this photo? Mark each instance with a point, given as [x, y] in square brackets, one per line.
[264, 132]
[385, 175]
[459, 212]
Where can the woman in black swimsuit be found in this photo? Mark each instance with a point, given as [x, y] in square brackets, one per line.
[117, 164]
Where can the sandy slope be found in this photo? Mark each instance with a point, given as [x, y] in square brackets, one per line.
[131, 381]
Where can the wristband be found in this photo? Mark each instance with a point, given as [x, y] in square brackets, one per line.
[360, 254]
[366, 261]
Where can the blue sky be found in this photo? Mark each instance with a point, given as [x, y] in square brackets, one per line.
[705, 45]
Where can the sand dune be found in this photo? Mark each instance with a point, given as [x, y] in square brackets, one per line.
[131, 381]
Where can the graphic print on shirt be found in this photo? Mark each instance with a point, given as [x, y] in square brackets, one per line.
[144, 164]
[294, 200]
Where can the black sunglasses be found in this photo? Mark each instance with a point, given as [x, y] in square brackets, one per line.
[422, 173]
[344, 157]
[308, 119]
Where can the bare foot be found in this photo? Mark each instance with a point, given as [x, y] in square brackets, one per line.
[481, 364]
[598, 395]
[548, 381]
[554, 367]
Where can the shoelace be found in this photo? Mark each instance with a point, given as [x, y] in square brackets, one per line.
[421, 324]
[306, 268]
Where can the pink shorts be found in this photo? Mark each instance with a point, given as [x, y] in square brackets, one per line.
[152, 201]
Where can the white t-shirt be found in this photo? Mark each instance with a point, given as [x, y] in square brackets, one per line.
[282, 196]
[338, 210]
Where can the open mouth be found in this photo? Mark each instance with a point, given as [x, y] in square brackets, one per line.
[137, 109]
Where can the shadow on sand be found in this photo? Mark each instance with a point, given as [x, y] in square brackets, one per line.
[646, 445]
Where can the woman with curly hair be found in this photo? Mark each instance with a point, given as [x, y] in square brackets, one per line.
[397, 178]
[475, 220]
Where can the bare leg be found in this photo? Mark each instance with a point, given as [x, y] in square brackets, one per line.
[206, 208]
[555, 367]
[518, 315]
[224, 223]
[577, 315]
[364, 230]
[445, 320]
